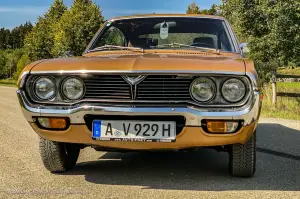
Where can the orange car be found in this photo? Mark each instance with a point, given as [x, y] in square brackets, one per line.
[149, 82]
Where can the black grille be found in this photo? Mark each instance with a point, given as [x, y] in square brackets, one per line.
[107, 87]
[153, 88]
[164, 88]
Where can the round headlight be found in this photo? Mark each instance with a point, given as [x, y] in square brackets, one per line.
[233, 90]
[203, 89]
[44, 88]
[73, 88]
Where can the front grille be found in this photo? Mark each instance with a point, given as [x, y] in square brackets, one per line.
[107, 87]
[159, 87]
[153, 88]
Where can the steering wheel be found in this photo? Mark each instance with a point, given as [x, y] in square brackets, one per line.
[199, 44]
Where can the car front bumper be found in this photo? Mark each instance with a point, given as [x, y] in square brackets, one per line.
[192, 134]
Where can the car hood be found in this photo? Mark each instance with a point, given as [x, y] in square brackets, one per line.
[145, 62]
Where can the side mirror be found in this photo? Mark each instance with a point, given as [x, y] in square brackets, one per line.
[244, 48]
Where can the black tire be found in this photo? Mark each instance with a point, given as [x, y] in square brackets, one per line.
[58, 157]
[242, 158]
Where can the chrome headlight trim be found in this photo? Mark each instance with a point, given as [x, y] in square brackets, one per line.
[248, 80]
[54, 88]
[214, 90]
[239, 98]
[64, 94]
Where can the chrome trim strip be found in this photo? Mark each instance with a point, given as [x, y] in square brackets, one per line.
[100, 31]
[22, 79]
[142, 72]
[193, 115]
[95, 38]
[28, 109]
[134, 81]
[162, 16]
[233, 37]
[254, 80]
[133, 101]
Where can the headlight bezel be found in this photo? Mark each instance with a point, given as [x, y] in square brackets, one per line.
[218, 100]
[214, 86]
[62, 88]
[35, 84]
[224, 83]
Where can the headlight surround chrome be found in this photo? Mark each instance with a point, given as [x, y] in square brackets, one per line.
[45, 88]
[203, 89]
[233, 90]
[73, 88]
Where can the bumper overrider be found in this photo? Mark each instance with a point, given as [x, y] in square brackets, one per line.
[192, 134]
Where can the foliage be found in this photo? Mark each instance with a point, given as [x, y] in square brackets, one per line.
[22, 62]
[40, 42]
[193, 8]
[2, 64]
[12, 39]
[18, 35]
[271, 28]
[77, 27]
[8, 82]
[57, 31]
[8, 62]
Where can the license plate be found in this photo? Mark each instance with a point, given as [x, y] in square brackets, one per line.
[134, 131]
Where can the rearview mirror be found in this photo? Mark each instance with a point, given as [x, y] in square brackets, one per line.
[170, 24]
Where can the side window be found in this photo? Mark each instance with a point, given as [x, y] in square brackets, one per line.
[112, 36]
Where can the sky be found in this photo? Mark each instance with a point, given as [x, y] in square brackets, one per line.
[16, 12]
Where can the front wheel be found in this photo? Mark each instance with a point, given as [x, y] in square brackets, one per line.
[57, 156]
[242, 158]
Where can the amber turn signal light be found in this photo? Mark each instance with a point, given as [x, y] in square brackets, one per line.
[53, 123]
[222, 126]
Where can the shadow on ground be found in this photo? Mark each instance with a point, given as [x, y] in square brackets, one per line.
[204, 169]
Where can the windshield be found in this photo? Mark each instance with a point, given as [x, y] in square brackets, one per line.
[165, 33]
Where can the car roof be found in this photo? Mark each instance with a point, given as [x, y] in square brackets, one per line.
[167, 15]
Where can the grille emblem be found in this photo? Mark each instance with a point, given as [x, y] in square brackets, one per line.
[134, 80]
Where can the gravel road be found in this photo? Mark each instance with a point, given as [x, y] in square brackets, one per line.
[200, 174]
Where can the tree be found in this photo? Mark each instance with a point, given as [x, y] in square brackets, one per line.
[39, 43]
[4, 38]
[271, 28]
[12, 58]
[193, 8]
[77, 27]
[22, 62]
[2, 64]
[17, 35]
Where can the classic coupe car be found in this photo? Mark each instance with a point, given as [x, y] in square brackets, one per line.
[147, 82]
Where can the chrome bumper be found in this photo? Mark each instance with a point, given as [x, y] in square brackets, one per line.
[249, 112]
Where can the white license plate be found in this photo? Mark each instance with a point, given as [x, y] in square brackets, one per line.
[134, 131]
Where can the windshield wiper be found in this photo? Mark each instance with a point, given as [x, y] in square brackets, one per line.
[112, 47]
[185, 45]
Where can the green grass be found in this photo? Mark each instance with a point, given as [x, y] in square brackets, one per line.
[8, 82]
[289, 71]
[286, 107]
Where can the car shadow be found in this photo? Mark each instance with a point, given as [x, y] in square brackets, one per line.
[204, 169]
